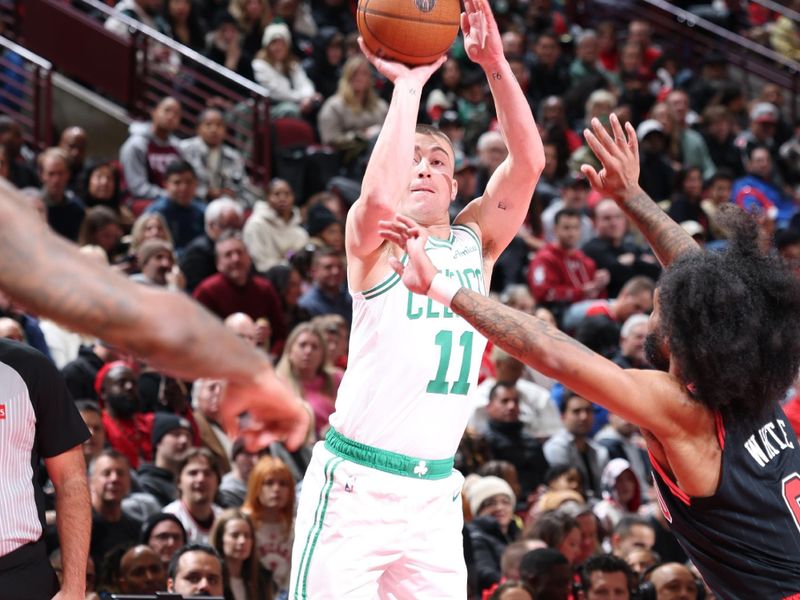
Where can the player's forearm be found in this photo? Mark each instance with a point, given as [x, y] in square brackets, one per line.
[525, 337]
[49, 277]
[74, 523]
[386, 176]
[519, 130]
[667, 239]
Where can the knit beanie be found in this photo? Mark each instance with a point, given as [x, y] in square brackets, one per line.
[163, 423]
[486, 487]
[149, 248]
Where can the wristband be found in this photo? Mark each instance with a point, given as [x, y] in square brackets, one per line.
[443, 289]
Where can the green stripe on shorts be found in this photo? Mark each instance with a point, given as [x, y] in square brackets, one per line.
[322, 500]
[318, 526]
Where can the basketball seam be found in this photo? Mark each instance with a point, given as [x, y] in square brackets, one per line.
[365, 10]
[382, 13]
[398, 50]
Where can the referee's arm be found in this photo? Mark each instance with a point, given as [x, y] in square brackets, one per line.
[73, 518]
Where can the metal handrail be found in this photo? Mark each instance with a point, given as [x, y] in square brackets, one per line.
[250, 86]
[26, 54]
[693, 20]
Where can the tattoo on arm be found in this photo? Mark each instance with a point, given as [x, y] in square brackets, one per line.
[668, 239]
[497, 76]
[502, 205]
[531, 340]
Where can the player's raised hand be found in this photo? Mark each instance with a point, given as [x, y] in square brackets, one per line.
[394, 70]
[245, 415]
[482, 41]
[419, 272]
[619, 155]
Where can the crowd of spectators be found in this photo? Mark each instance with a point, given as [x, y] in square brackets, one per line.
[558, 494]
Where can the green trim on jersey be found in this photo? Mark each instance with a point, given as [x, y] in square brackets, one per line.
[385, 285]
[388, 462]
[319, 518]
[470, 231]
[440, 243]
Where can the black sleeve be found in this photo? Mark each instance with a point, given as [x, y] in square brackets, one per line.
[59, 425]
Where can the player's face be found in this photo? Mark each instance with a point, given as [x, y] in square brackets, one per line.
[432, 186]
[608, 586]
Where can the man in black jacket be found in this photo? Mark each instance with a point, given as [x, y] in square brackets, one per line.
[172, 439]
[507, 441]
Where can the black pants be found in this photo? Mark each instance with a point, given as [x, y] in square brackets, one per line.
[26, 574]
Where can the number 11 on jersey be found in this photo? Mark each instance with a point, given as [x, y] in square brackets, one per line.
[439, 385]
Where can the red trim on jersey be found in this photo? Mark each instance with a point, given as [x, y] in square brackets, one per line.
[721, 431]
[793, 597]
[676, 491]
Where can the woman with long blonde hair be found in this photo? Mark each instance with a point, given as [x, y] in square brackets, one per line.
[252, 16]
[355, 113]
[270, 505]
[304, 365]
[233, 536]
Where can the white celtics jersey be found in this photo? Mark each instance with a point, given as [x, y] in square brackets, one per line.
[413, 361]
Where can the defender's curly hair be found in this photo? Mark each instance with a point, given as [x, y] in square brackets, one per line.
[732, 320]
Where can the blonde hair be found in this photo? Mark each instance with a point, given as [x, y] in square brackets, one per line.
[268, 466]
[236, 8]
[345, 89]
[139, 226]
[286, 369]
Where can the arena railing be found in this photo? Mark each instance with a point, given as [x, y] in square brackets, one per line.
[690, 38]
[26, 92]
[139, 69]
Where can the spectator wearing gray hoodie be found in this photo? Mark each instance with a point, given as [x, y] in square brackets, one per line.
[150, 149]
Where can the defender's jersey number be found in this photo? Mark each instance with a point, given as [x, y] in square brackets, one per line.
[439, 385]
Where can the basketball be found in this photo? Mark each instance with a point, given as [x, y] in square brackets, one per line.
[413, 32]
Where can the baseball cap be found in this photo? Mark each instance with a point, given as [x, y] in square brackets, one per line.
[647, 127]
[764, 112]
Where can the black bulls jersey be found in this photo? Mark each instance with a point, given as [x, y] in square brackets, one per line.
[745, 539]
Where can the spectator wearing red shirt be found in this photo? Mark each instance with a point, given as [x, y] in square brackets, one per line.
[236, 289]
[128, 431]
[560, 273]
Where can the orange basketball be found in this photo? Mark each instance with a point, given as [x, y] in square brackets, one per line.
[414, 32]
